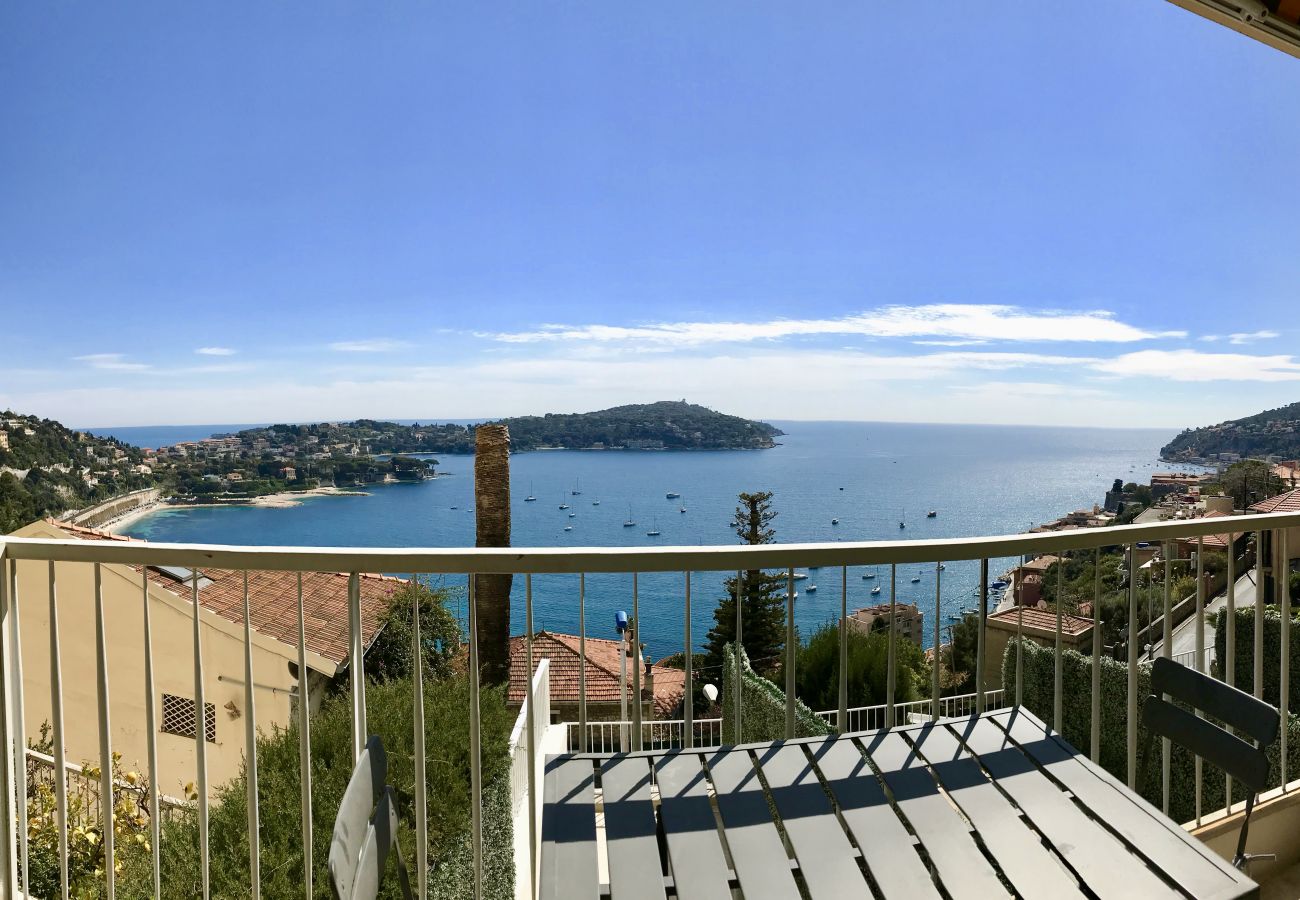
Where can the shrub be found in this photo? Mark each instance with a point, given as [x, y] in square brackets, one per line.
[818, 671]
[762, 705]
[389, 715]
[1244, 656]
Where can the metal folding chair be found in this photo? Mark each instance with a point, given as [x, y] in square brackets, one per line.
[361, 842]
[1234, 753]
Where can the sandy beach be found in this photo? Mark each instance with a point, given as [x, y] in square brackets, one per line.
[282, 500]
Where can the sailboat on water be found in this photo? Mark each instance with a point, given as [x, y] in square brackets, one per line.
[577, 487]
[563, 505]
[654, 528]
[530, 498]
[629, 522]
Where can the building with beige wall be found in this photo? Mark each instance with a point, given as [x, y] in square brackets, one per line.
[167, 591]
[1037, 625]
[909, 620]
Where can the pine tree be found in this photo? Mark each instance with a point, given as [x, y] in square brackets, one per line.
[763, 598]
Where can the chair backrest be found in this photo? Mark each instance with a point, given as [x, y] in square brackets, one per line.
[361, 843]
[1250, 717]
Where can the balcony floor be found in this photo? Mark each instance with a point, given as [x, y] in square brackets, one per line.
[1285, 885]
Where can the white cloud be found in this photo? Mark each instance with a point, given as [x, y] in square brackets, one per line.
[215, 351]
[1193, 365]
[1248, 337]
[115, 362]
[373, 345]
[945, 321]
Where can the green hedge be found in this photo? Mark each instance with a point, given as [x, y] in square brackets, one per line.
[762, 706]
[1039, 680]
[1244, 658]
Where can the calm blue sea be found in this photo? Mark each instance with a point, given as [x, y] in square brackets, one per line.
[981, 479]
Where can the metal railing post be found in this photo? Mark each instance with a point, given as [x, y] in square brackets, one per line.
[1058, 670]
[1166, 649]
[250, 752]
[979, 636]
[1258, 680]
[18, 699]
[1199, 635]
[60, 749]
[304, 749]
[421, 757]
[200, 736]
[106, 799]
[740, 658]
[688, 683]
[891, 684]
[1229, 661]
[790, 649]
[1095, 748]
[636, 664]
[1020, 636]
[936, 671]
[531, 702]
[842, 720]
[13, 821]
[475, 747]
[1282, 577]
[356, 662]
[582, 652]
[1132, 706]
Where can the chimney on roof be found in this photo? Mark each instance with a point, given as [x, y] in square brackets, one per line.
[648, 682]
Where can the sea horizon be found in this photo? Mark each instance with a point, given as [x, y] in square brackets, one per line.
[980, 480]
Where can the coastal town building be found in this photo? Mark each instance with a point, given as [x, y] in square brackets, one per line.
[662, 688]
[909, 621]
[1037, 625]
[167, 591]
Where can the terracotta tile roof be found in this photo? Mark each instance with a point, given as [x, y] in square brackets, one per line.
[273, 601]
[602, 671]
[1288, 502]
[1045, 620]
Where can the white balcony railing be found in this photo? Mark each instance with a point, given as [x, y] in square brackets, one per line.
[87, 562]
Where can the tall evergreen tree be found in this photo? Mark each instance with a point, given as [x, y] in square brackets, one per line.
[762, 598]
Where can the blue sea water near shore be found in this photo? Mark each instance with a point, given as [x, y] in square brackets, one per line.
[980, 479]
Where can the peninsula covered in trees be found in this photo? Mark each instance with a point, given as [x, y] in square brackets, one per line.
[47, 469]
[667, 425]
[1273, 432]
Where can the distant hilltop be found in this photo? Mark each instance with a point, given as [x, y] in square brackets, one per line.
[1274, 432]
[666, 425]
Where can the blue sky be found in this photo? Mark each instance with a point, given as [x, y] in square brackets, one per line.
[1039, 213]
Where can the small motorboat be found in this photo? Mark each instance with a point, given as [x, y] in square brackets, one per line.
[932, 514]
[835, 521]
[572, 515]
[868, 575]
[800, 576]
[564, 506]
[672, 495]
[812, 589]
[568, 527]
[915, 579]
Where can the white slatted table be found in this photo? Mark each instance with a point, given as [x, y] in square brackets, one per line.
[981, 807]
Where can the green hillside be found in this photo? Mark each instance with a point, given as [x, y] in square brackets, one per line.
[1272, 432]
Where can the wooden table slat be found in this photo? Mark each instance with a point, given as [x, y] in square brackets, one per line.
[762, 866]
[1156, 837]
[1030, 867]
[963, 869]
[1104, 863]
[699, 867]
[569, 865]
[635, 870]
[826, 858]
[887, 847]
